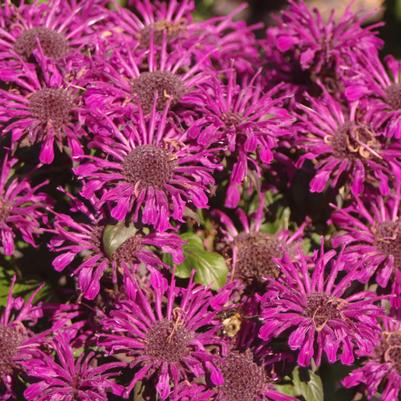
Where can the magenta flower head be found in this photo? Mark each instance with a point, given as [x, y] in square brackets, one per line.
[380, 87]
[318, 312]
[317, 47]
[254, 253]
[156, 18]
[230, 41]
[21, 208]
[123, 84]
[249, 122]
[226, 39]
[371, 226]
[17, 341]
[100, 246]
[52, 29]
[149, 172]
[345, 146]
[382, 368]
[63, 376]
[165, 332]
[240, 378]
[41, 111]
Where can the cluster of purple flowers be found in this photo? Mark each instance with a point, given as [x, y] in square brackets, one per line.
[150, 155]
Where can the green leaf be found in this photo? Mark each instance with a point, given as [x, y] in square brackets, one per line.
[22, 288]
[312, 390]
[210, 267]
[397, 10]
[286, 389]
[115, 235]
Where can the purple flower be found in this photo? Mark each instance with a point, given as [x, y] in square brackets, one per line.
[17, 341]
[41, 112]
[380, 87]
[149, 173]
[240, 378]
[383, 366]
[226, 40]
[303, 42]
[254, 252]
[21, 208]
[120, 84]
[249, 122]
[165, 330]
[318, 311]
[56, 26]
[65, 377]
[156, 19]
[230, 42]
[371, 226]
[345, 146]
[100, 245]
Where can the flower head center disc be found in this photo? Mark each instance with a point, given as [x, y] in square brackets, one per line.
[127, 251]
[53, 43]
[172, 30]
[4, 210]
[168, 341]
[231, 119]
[10, 339]
[388, 239]
[148, 166]
[244, 380]
[255, 256]
[321, 308]
[393, 96]
[389, 349]
[353, 141]
[166, 84]
[51, 106]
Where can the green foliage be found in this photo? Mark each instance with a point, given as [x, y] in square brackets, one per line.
[397, 9]
[310, 389]
[22, 288]
[210, 267]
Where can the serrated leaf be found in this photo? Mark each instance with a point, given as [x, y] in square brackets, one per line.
[210, 267]
[311, 390]
[115, 235]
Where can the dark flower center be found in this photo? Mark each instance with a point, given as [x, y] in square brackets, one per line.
[172, 30]
[389, 350]
[354, 142]
[388, 239]
[321, 308]
[244, 380]
[127, 251]
[4, 210]
[97, 238]
[10, 340]
[231, 119]
[148, 166]
[393, 96]
[166, 84]
[53, 43]
[255, 256]
[168, 341]
[51, 106]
